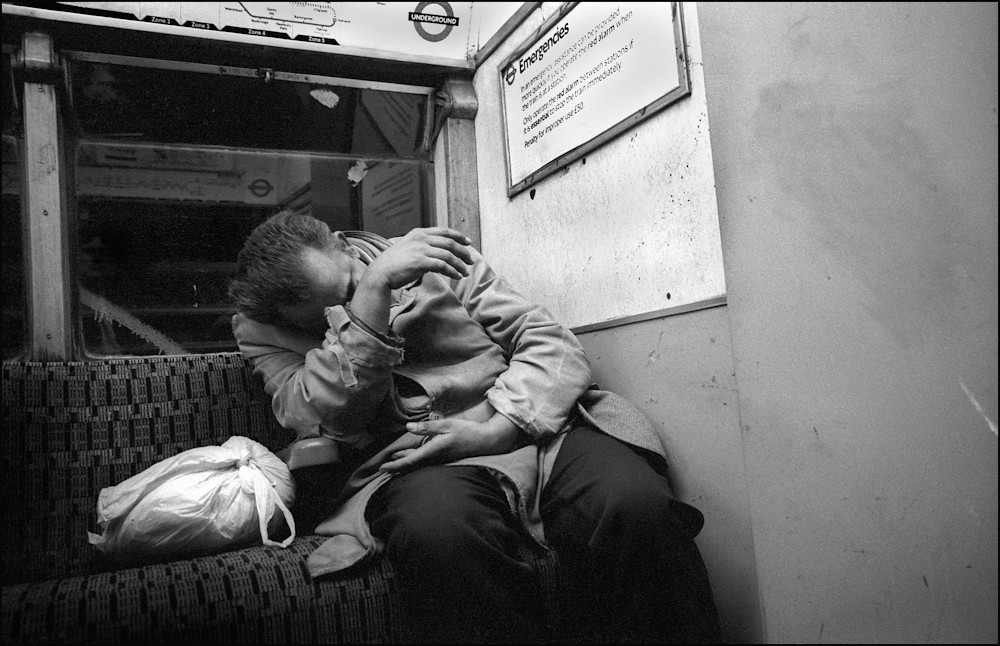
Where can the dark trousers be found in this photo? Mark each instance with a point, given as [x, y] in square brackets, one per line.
[625, 545]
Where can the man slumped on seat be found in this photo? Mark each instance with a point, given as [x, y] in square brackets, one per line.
[479, 429]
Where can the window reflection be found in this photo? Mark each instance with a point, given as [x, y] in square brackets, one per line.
[153, 276]
[174, 169]
[13, 309]
[176, 106]
[159, 229]
[14, 319]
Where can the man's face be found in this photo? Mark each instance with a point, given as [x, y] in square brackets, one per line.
[332, 275]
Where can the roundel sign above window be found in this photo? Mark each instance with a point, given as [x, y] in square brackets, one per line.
[421, 19]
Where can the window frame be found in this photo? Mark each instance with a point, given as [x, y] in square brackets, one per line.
[53, 330]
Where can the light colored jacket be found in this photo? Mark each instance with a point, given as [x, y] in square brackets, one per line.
[461, 348]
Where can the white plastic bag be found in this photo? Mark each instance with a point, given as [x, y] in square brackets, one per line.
[197, 502]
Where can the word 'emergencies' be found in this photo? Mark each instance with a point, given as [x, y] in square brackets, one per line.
[553, 102]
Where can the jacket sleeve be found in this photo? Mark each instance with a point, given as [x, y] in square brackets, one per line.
[333, 389]
[547, 368]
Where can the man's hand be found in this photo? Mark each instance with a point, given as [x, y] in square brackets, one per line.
[435, 249]
[453, 439]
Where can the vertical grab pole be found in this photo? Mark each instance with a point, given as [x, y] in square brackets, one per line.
[455, 167]
[45, 228]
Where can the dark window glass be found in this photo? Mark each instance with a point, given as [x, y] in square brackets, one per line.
[175, 106]
[174, 169]
[14, 307]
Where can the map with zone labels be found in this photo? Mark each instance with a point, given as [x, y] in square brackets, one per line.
[439, 29]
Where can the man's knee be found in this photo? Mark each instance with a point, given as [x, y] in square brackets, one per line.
[439, 510]
[615, 485]
[641, 508]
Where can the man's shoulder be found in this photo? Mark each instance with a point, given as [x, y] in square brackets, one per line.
[252, 335]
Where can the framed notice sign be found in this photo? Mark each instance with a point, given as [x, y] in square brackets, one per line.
[590, 72]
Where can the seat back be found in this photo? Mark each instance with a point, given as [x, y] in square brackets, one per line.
[72, 428]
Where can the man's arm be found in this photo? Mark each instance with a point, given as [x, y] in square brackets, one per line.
[436, 249]
[338, 385]
[341, 384]
[548, 369]
[547, 372]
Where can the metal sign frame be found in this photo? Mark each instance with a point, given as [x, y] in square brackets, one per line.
[643, 113]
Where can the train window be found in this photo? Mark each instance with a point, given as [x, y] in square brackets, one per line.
[174, 168]
[13, 308]
[243, 109]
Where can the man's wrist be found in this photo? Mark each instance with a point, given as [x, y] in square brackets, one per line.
[503, 427]
[389, 337]
[370, 304]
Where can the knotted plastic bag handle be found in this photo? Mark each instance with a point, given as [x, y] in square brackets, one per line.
[265, 498]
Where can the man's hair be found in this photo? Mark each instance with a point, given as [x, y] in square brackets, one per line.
[269, 266]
